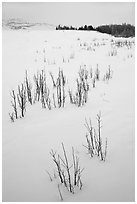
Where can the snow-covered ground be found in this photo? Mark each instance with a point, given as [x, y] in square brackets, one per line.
[28, 141]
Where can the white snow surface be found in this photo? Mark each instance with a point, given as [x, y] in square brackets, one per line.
[28, 141]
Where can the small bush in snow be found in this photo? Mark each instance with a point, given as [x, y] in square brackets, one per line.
[94, 140]
[113, 52]
[108, 74]
[60, 89]
[38, 86]
[97, 73]
[28, 89]
[42, 92]
[69, 174]
[14, 105]
[81, 94]
[22, 98]
[59, 86]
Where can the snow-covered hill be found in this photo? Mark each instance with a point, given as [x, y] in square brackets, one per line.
[19, 24]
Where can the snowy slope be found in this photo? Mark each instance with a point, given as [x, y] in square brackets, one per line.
[19, 24]
[28, 141]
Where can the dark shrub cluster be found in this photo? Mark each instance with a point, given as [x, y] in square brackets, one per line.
[124, 30]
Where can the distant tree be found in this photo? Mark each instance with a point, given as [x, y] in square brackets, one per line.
[85, 27]
[80, 28]
[90, 27]
[59, 27]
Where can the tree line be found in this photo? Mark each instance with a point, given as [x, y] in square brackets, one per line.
[117, 30]
[85, 27]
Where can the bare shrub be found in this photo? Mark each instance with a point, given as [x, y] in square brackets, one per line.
[77, 171]
[39, 80]
[82, 88]
[69, 174]
[94, 140]
[45, 98]
[97, 73]
[83, 74]
[42, 92]
[38, 86]
[22, 98]
[113, 52]
[28, 89]
[14, 105]
[108, 74]
[60, 89]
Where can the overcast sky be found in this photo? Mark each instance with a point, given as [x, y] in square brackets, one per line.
[71, 13]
